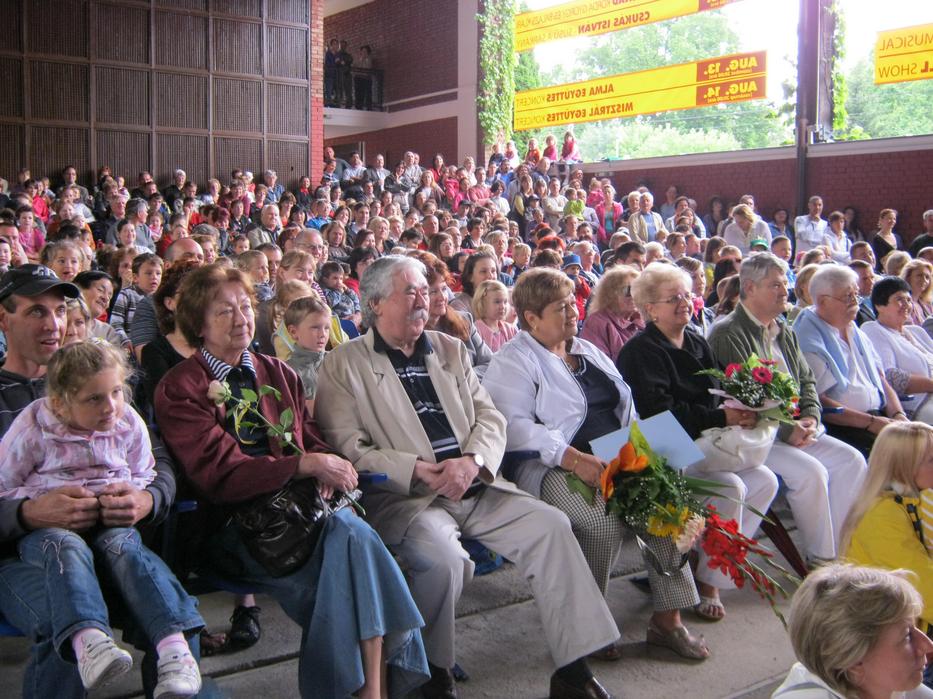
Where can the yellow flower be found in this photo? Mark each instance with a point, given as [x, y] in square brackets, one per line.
[669, 523]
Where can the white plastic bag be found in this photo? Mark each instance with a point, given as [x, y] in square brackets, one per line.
[736, 448]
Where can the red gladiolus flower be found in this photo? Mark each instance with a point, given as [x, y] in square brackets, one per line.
[762, 374]
[732, 368]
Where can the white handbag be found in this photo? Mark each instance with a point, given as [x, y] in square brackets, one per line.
[735, 448]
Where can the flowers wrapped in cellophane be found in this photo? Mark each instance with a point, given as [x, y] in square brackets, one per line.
[639, 487]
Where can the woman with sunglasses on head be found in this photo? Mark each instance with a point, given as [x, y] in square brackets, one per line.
[613, 319]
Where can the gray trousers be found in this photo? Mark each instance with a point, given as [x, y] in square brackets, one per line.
[533, 535]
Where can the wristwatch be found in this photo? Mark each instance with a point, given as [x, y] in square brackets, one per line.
[478, 460]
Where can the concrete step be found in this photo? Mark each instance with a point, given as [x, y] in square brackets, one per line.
[500, 645]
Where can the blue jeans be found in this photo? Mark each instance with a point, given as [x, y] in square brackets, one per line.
[36, 597]
[350, 590]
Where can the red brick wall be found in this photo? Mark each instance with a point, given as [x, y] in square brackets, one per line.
[876, 181]
[771, 182]
[316, 143]
[425, 138]
[869, 182]
[414, 42]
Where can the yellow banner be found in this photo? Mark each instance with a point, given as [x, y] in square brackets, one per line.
[593, 17]
[734, 78]
[904, 54]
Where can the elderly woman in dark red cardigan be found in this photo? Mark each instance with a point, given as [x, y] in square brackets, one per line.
[350, 598]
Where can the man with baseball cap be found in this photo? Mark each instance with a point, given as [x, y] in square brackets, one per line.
[33, 315]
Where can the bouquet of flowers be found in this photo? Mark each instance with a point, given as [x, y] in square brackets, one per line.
[640, 488]
[757, 386]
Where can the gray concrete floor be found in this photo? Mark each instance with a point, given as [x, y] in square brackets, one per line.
[500, 645]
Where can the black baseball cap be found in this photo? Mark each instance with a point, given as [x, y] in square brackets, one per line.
[32, 280]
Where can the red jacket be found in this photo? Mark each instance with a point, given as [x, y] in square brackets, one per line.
[192, 427]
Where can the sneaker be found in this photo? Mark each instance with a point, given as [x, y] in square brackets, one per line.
[102, 662]
[179, 676]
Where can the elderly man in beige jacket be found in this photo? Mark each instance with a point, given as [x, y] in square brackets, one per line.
[405, 401]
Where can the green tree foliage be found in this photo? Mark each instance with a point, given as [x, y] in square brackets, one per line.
[884, 111]
[720, 127]
[527, 72]
[642, 140]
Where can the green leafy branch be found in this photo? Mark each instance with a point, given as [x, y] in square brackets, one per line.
[496, 92]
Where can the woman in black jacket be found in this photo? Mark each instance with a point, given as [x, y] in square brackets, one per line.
[660, 364]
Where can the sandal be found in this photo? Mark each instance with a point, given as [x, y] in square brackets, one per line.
[211, 643]
[608, 654]
[680, 641]
[710, 608]
[245, 630]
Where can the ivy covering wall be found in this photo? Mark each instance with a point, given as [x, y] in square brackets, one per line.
[497, 68]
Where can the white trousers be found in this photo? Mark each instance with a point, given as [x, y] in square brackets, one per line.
[533, 535]
[756, 487]
[822, 482]
[924, 413]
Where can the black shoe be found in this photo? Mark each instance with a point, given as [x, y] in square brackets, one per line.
[441, 685]
[591, 689]
[245, 630]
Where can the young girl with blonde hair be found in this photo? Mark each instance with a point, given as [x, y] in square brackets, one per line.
[491, 307]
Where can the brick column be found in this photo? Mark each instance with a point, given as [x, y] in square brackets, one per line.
[316, 136]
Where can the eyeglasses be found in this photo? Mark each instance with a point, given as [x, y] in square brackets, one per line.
[627, 291]
[309, 246]
[677, 300]
[849, 299]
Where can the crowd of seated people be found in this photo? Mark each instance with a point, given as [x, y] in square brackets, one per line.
[421, 322]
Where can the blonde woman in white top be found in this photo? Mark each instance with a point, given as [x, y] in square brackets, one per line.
[746, 226]
[854, 635]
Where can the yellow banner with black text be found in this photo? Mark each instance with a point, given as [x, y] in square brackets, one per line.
[905, 54]
[594, 17]
[734, 78]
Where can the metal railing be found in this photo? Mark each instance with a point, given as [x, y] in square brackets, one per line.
[358, 88]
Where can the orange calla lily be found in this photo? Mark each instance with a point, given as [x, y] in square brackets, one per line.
[628, 461]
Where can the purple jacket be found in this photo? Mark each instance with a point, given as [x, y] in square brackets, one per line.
[609, 331]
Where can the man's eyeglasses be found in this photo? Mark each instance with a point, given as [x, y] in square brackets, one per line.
[849, 299]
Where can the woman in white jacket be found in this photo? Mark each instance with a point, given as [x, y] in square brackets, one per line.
[558, 393]
[906, 350]
[854, 636]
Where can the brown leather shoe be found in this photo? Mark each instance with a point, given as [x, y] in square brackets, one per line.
[608, 654]
[591, 689]
[441, 685]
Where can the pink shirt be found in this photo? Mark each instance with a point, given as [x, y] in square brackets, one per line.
[32, 241]
[609, 331]
[498, 336]
[40, 453]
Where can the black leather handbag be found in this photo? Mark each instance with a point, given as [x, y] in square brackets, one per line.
[281, 530]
